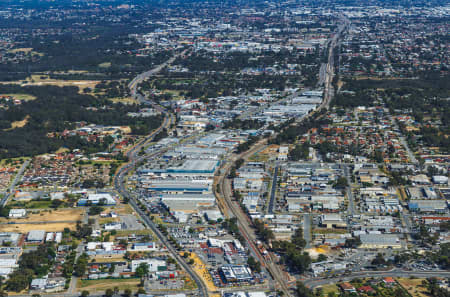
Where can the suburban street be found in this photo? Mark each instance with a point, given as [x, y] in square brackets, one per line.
[14, 183]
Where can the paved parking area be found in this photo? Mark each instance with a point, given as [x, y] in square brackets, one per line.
[130, 222]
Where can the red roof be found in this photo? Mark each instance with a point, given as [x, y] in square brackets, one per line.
[366, 289]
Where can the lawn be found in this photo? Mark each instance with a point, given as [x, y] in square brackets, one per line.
[33, 204]
[329, 288]
[103, 284]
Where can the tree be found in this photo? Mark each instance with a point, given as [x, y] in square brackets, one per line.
[81, 265]
[253, 264]
[302, 291]
[19, 280]
[56, 203]
[299, 152]
[84, 293]
[340, 183]
[109, 293]
[322, 258]
[142, 270]
[379, 260]
[127, 293]
[95, 210]
[266, 234]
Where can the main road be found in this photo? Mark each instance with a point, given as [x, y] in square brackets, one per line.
[313, 283]
[134, 160]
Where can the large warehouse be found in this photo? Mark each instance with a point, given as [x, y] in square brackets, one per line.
[195, 167]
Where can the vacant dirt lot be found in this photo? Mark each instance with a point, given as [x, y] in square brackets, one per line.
[25, 228]
[59, 215]
[103, 284]
[50, 221]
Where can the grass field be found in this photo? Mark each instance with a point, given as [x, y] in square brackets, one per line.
[135, 232]
[329, 231]
[329, 288]
[103, 221]
[124, 100]
[103, 284]
[20, 96]
[33, 204]
[413, 286]
[259, 158]
[44, 80]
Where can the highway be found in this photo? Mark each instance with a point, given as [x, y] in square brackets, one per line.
[317, 282]
[134, 160]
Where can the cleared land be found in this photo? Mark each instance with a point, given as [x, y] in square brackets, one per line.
[19, 124]
[201, 270]
[43, 80]
[27, 50]
[108, 259]
[413, 286]
[103, 284]
[75, 214]
[25, 228]
[49, 221]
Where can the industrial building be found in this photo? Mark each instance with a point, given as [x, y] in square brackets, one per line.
[36, 236]
[187, 202]
[94, 199]
[236, 273]
[154, 265]
[428, 206]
